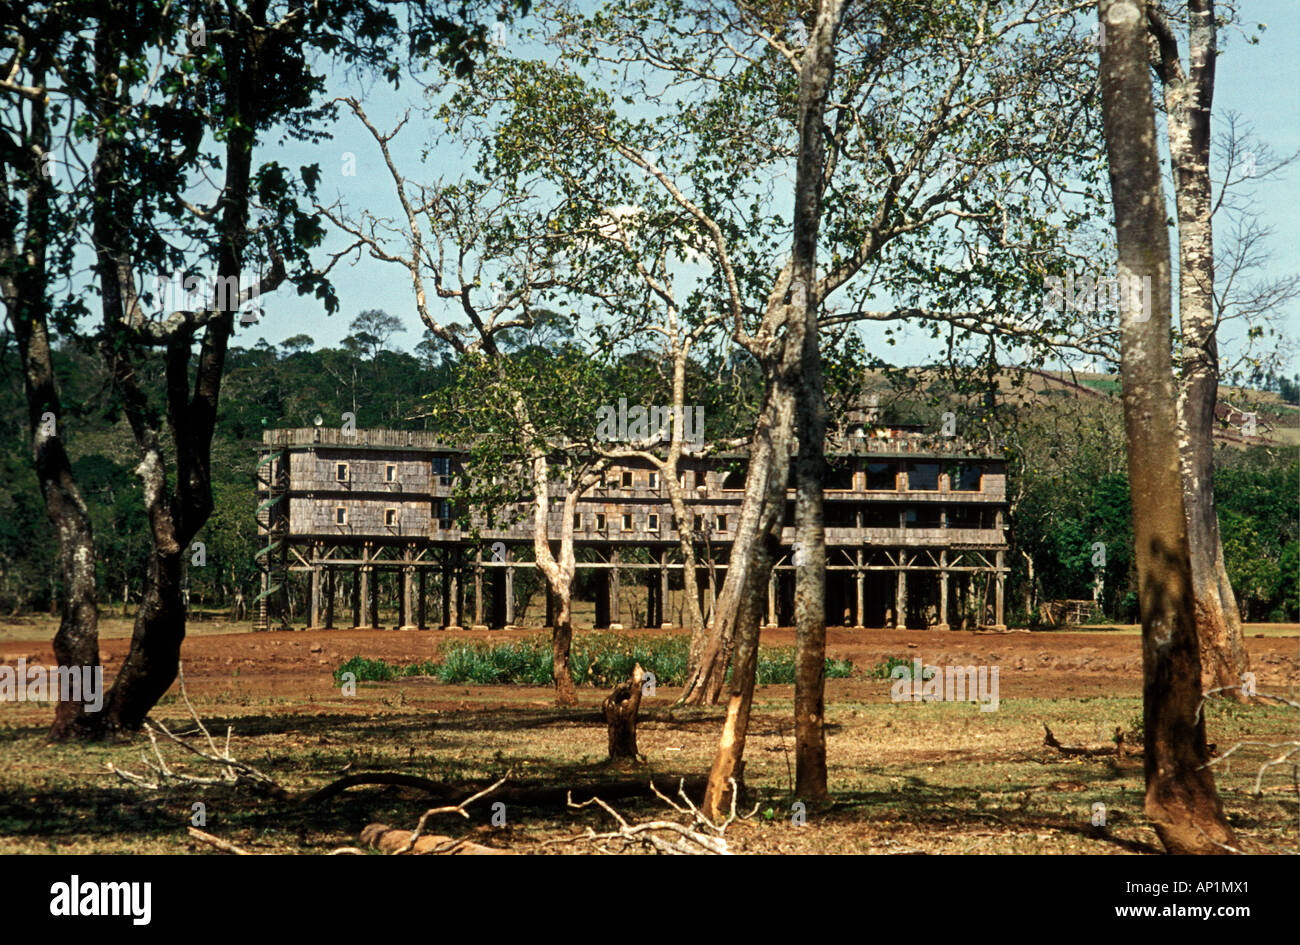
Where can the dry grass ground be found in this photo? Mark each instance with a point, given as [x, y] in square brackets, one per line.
[934, 777]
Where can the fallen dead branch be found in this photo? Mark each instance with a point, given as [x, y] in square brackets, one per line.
[701, 838]
[456, 809]
[158, 773]
[1289, 750]
[396, 841]
[230, 770]
[225, 846]
[522, 795]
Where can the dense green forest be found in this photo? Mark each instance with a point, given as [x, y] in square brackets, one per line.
[1068, 486]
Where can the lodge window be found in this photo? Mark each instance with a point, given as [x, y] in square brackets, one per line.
[652, 522]
[442, 512]
[686, 479]
[839, 475]
[721, 523]
[627, 479]
[600, 522]
[882, 476]
[699, 523]
[965, 478]
[577, 521]
[654, 480]
[442, 470]
[923, 477]
[968, 516]
[390, 473]
[340, 516]
[340, 472]
[627, 521]
[390, 518]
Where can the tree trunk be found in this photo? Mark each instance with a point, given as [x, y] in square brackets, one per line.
[1181, 799]
[728, 763]
[1189, 97]
[190, 409]
[816, 74]
[788, 387]
[152, 663]
[682, 515]
[561, 647]
[760, 514]
[76, 643]
[558, 574]
[621, 707]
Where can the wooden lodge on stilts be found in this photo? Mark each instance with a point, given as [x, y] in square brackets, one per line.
[915, 536]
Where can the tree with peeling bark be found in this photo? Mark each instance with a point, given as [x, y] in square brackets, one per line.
[1181, 799]
[936, 182]
[945, 182]
[1188, 94]
[169, 100]
[816, 76]
[1188, 97]
[529, 416]
[36, 209]
[526, 419]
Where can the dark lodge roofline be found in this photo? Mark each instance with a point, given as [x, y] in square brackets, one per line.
[895, 441]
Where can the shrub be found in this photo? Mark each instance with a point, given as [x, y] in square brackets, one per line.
[885, 670]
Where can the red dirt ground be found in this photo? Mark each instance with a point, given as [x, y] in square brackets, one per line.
[298, 665]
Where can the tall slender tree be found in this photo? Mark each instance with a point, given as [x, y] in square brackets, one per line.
[1181, 798]
[1188, 91]
[36, 214]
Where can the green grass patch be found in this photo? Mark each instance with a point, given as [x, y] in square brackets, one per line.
[597, 659]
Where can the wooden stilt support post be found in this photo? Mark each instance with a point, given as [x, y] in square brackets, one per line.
[314, 611]
[451, 597]
[354, 586]
[510, 593]
[422, 609]
[943, 591]
[859, 579]
[367, 592]
[665, 613]
[330, 590]
[614, 614]
[900, 594]
[999, 594]
[478, 592]
[408, 621]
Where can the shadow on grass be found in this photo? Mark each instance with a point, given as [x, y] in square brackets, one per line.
[934, 807]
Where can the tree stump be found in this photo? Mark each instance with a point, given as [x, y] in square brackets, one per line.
[621, 707]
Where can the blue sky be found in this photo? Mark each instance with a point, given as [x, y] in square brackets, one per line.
[1260, 82]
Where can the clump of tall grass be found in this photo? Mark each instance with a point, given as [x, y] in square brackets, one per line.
[597, 659]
